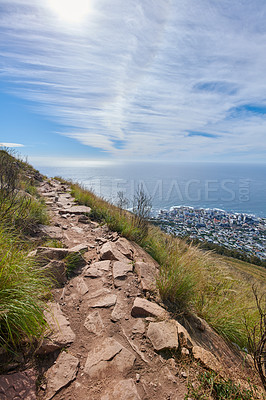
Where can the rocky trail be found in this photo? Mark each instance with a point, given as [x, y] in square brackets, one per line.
[110, 337]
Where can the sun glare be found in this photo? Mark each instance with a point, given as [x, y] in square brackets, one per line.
[72, 11]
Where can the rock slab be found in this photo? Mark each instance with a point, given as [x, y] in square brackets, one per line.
[163, 335]
[123, 390]
[144, 308]
[206, 358]
[121, 269]
[61, 334]
[94, 323]
[61, 373]
[110, 355]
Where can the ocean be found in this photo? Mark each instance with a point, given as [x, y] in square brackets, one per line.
[230, 187]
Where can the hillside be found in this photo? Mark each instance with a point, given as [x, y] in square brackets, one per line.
[111, 335]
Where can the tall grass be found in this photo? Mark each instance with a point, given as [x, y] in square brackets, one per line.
[189, 279]
[23, 287]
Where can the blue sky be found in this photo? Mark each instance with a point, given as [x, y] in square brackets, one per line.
[133, 79]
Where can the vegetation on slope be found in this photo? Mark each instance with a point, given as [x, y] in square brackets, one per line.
[23, 285]
[189, 278]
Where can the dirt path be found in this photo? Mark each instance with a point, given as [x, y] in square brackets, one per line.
[111, 356]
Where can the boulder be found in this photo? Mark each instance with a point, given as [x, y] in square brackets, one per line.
[61, 374]
[163, 335]
[144, 308]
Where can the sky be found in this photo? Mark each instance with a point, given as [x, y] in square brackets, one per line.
[172, 80]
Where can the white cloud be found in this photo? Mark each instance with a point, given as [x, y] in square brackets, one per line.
[139, 75]
[11, 145]
[68, 162]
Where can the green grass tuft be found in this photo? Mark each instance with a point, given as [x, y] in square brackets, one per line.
[23, 287]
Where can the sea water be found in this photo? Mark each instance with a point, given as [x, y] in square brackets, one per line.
[231, 187]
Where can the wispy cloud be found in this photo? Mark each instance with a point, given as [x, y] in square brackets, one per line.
[140, 78]
[11, 145]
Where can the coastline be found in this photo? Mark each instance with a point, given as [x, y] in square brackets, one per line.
[245, 233]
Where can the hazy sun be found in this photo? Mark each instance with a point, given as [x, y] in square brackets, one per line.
[72, 11]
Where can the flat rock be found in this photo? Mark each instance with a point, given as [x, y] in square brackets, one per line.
[99, 293]
[51, 253]
[94, 323]
[108, 356]
[139, 327]
[77, 229]
[163, 335]
[206, 358]
[123, 390]
[147, 275]
[144, 308]
[105, 301]
[83, 247]
[61, 374]
[61, 334]
[77, 210]
[97, 269]
[80, 285]
[121, 269]
[118, 312]
[49, 194]
[102, 265]
[51, 231]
